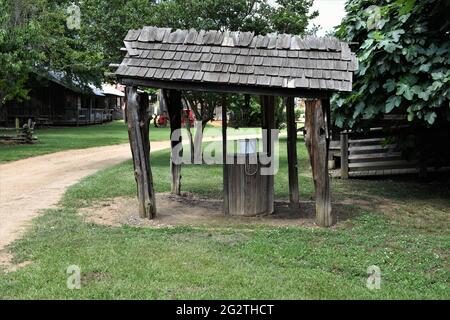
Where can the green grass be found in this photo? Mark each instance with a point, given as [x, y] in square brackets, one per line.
[399, 225]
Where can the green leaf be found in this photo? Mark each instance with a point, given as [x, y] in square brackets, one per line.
[430, 117]
[389, 85]
[392, 102]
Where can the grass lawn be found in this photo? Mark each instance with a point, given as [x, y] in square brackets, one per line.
[399, 225]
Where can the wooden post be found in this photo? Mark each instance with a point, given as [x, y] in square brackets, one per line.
[226, 209]
[268, 123]
[174, 107]
[317, 141]
[344, 155]
[292, 153]
[138, 132]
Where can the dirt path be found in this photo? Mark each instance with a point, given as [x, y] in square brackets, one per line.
[30, 185]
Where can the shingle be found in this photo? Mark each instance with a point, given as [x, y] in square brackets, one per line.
[292, 54]
[158, 54]
[161, 33]
[178, 56]
[132, 35]
[353, 65]
[175, 65]
[198, 76]
[186, 56]
[178, 36]
[168, 74]
[155, 63]
[234, 78]
[211, 77]
[251, 80]
[276, 82]
[216, 58]
[224, 77]
[259, 70]
[169, 55]
[206, 57]
[200, 37]
[206, 49]
[272, 43]
[336, 75]
[314, 83]
[283, 41]
[228, 59]
[141, 73]
[191, 36]
[166, 64]
[219, 38]
[217, 68]
[121, 70]
[150, 73]
[177, 74]
[232, 68]
[286, 72]
[132, 71]
[258, 61]
[245, 38]
[322, 84]
[195, 66]
[317, 74]
[196, 56]
[188, 75]
[159, 73]
[228, 41]
[346, 52]
[243, 78]
[215, 49]
[225, 68]
[263, 80]
[302, 83]
[340, 65]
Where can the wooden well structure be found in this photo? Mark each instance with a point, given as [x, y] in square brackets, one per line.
[236, 63]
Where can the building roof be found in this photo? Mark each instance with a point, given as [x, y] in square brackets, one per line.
[160, 56]
[108, 89]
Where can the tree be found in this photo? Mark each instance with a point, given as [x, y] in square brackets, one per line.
[258, 16]
[34, 39]
[404, 55]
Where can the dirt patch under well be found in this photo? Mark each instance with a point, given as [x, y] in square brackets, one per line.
[188, 210]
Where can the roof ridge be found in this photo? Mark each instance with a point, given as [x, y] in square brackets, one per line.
[242, 39]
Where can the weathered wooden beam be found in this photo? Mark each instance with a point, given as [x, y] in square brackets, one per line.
[226, 189]
[138, 132]
[317, 142]
[226, 88]
[268, 123]
[174, 107]
[292, 153]
[344, 155]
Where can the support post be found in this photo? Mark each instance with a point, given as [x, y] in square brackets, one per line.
[174, 107]
[268, 123]
[292, 153]
[344, 155]
[226, 190]
[317, 141]
[138, 132]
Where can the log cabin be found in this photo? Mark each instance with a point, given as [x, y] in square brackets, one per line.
[54, 101]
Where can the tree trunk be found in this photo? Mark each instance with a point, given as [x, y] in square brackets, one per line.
[174, 108]
[138, 133]
[317, 142]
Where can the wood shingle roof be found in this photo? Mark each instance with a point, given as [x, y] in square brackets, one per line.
[238, 59]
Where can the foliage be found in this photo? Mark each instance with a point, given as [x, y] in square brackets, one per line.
[404, 55]
[35, 39]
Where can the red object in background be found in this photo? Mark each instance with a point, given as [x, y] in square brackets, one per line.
[190, 115]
